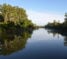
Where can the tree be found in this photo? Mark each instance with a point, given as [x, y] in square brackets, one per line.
[14, 14]
[65, 20]
[65, 17]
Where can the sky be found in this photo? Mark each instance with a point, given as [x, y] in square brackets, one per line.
[41, 11]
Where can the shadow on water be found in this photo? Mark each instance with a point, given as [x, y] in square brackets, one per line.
[58, 32]
[12, 41]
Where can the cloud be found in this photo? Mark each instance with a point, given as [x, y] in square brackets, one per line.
[42, 18]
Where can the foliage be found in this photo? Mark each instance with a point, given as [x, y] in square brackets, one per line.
[15, 15]
[57, 25]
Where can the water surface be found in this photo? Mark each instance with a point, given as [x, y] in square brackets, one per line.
[40, 44]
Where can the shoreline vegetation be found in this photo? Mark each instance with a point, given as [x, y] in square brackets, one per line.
[14, 18]
[15, 29]
[57, 26]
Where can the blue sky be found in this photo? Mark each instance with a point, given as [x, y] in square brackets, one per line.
[41, 11]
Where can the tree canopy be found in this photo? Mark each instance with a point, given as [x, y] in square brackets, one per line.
[57, 25]
[14, 14]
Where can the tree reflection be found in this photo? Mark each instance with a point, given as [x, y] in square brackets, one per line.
[56, 32]
[53, 32]
[65, 41]
[11, 41]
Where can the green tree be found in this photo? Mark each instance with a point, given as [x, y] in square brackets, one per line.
[15, 14]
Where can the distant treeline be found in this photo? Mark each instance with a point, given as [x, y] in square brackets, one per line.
[57, 25]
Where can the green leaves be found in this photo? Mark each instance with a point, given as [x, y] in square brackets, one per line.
[15, 14]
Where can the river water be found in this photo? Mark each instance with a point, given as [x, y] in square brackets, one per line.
[40, 44]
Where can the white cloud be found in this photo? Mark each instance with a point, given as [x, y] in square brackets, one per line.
[42, 18]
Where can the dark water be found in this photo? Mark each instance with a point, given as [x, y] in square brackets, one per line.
[40, 44]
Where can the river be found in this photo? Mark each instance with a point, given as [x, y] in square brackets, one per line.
[40, 44]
